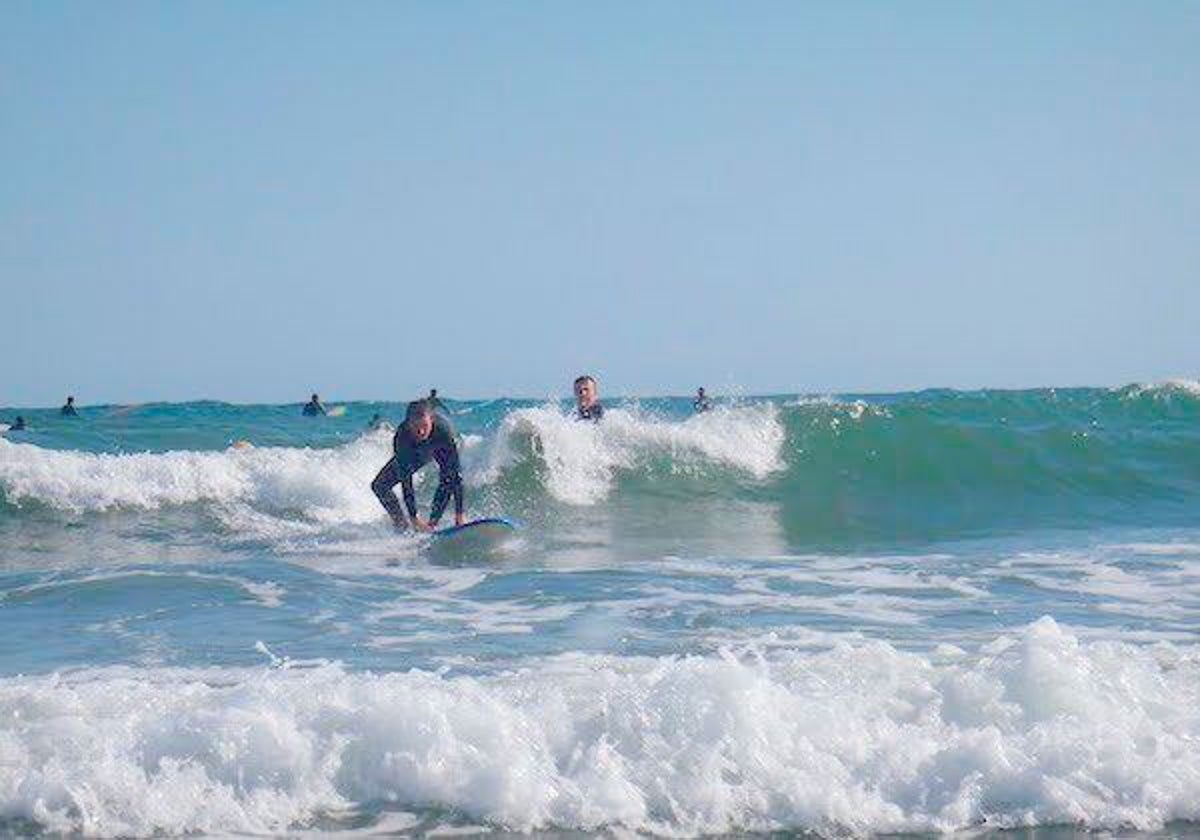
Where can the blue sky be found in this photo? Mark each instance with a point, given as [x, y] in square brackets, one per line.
[252, 201]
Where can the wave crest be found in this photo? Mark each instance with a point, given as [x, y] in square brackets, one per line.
[1038, 728]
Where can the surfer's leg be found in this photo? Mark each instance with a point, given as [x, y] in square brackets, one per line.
[382, 486]
[449, 483]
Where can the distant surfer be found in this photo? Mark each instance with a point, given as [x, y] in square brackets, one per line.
[701, 403]
[587, 399]
[18, 424]
[313, 407]
[424, 436]
[433, 400]
[68, 410]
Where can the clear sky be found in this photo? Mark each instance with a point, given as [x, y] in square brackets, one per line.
[252, 201]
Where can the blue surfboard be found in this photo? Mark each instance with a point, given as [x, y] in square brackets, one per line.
[492, 527]
[476, 539]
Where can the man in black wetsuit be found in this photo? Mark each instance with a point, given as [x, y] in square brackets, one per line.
[587, 399]
[18, 425]
[68, 410]
[424, 436]
[313, 407]
[433, 400]
[701, 403]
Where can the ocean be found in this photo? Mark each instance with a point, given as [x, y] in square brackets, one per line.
[909, 613]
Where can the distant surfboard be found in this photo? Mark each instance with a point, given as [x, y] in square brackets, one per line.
[336, 411]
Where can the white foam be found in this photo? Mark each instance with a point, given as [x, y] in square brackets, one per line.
[582, 459]
[1038, 728]
[287, 494]
[1190, 387]
[324, 484]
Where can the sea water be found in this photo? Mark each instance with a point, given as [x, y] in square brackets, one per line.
[905, 613]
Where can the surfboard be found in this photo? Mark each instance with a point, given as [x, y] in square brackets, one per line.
[494, 527]
[481, 537]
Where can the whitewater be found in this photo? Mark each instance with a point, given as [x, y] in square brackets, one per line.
[913, 613]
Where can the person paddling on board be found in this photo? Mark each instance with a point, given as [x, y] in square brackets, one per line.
[68, 410]
[424, 436]
[313, 407]
[701, 403]
[587, 399]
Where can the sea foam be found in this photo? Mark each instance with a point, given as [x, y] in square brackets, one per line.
[331, 486]
[582, 460]
[1032, 729]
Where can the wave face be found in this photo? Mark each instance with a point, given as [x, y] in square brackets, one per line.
[898, 468]
[1037, 729]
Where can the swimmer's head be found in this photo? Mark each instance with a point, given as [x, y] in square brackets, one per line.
[585, 390]
[419, 419]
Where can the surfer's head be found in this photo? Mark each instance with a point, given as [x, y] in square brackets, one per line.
[315, 398]
[419, 419]
[585, 391]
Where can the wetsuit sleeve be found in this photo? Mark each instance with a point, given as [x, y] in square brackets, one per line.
[449, 482]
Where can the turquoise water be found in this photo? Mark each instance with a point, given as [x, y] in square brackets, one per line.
[871, 613]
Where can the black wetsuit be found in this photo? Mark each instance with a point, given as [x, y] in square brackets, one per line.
[701, 404]
[410, 455]
[590, 412]
[18, 425]
[312, 409]
[68, 410]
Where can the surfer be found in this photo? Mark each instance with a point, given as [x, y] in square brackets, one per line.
[701, 403]
[18, 425]
[587, 400]
[423, 436]
[313, 407]
[68, 410]
[433, 400]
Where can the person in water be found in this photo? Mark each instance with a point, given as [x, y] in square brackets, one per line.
[587, 399]
[701, 403]
[18, 424]
[68, 410]
[313, 407]
[424, 436]
[433, 400]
